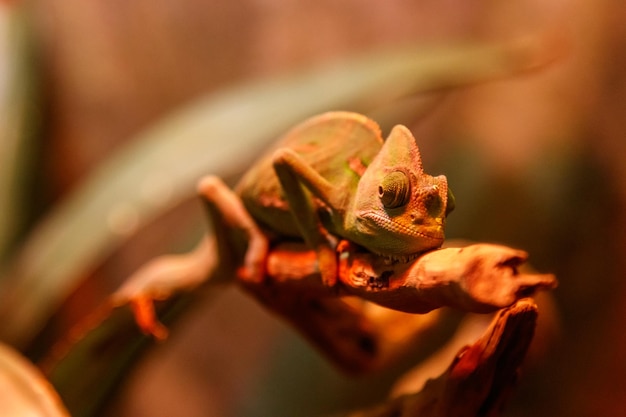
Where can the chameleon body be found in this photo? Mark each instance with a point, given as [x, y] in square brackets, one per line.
[333, 175]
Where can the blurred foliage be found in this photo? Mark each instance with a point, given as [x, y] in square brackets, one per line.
[147, 177]
[136, 108]
[20, 113]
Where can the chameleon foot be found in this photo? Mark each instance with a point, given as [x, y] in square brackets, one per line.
[145, 317]
[159, 280]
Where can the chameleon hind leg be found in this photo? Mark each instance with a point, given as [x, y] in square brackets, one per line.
[241, 246]
[237, 249]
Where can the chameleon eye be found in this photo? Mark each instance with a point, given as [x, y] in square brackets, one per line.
[395, 190]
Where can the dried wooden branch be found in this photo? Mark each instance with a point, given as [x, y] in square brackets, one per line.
[480, 377]
[353, 334]
[478, 278]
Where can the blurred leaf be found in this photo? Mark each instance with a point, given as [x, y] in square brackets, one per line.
[220, 135]
[88, 366]
[23, 389]
[18, 123]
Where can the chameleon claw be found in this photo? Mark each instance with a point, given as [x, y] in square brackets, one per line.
[145, 317]
[327, 264]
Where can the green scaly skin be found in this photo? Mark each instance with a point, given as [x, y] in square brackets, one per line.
[351, 184]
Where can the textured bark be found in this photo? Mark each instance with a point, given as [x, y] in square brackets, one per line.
[479, 378]
[479, 278]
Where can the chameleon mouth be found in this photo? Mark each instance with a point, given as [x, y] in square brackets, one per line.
[419, 231]
[392, 259]
[421, 238]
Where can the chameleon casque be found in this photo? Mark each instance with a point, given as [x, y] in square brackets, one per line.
[333, 176]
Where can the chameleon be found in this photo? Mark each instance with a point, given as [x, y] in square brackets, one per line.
[328, 180]
[368, 208]
[333, 176]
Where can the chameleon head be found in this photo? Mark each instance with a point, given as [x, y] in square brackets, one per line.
[399, 210]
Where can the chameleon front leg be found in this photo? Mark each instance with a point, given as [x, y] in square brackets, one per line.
[295, 175]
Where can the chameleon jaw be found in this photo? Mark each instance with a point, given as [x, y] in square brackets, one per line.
[402, 242]
[393, 259]
[434, 232]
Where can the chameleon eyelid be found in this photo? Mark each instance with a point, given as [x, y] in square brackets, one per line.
[395, 189]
